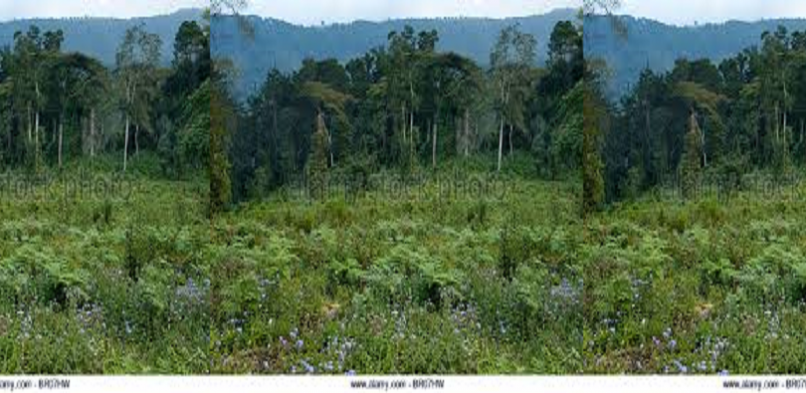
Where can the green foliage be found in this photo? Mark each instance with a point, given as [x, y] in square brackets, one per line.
[67, 301]
[399, 284]
[691, 164]
[703, 287]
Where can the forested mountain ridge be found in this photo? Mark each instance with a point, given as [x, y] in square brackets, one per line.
[100, 37]
[282, 45]
[649, 43]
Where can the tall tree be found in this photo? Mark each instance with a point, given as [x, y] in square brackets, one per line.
[137, 61]
[511, 61]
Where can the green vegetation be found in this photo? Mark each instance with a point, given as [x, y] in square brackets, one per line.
[724, 120]
[103, 206]
[108, 279]
[694, 257]
[385, 281]
[358, 240]
[709, 285]
[56, 107]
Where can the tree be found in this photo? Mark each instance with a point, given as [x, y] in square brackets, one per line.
[137, 60]
[592, 179]
[219, 166]
[79, 81]
[691, 164]
[511, 60]
[317, 165]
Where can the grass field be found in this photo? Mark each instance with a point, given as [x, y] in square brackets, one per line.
[711, 285]
[100, 274]
[388, 281]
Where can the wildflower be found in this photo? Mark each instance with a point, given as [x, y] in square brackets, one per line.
[350, 373]
[672, 344]
[724, 373]
[128, 328]
[283, 341]
[656, 341]
[667, 333]
[300, 344]
[308, 368]
[703, 366]
[680, 366]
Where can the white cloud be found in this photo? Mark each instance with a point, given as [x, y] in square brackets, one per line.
[687, 12]
[313, 12]
[23, 9]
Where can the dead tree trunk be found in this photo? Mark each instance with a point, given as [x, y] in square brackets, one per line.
[61, 138]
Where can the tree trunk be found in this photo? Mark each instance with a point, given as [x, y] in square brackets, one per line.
[36, 138]
[434, 145]
[28, 118]
[126, 144]
[403, 121]
[330, 148]
[61, 138]
[466, 138]
[92, 132]
[500, 143]
[702, 141]
[411, 133]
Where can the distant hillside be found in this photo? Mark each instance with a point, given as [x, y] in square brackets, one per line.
[283, 45]
[657, 45]
[100, 37]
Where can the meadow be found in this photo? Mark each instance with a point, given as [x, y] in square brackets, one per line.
[103, 274]
[715, 284]
[402, 275]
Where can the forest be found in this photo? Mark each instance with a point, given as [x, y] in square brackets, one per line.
[324, 268]
[58, 106]
[708, 122]
[408, 106]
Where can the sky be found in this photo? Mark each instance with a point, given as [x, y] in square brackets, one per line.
[689, 12]
[25, 9]
[314, 12]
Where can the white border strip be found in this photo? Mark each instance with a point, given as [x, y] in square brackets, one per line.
[462, 384]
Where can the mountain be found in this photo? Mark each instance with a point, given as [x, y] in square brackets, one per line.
[100, 37]
[652, 44]
[279, 44]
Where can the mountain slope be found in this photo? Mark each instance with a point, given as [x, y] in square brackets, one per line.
[100, 37]
[657, 45]
[280, 44]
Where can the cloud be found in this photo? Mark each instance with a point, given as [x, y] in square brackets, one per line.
[313, 12]
[24, 9]
[687, 12]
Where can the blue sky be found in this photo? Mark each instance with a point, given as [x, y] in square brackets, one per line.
[23, 9]
[687, 12]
